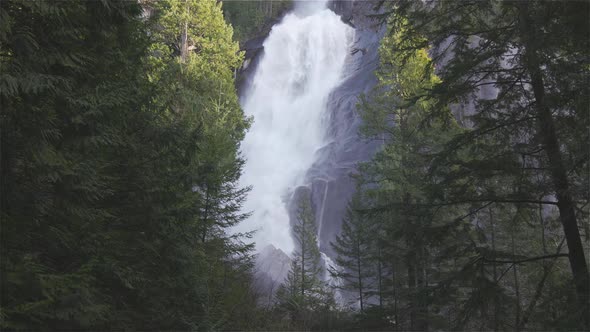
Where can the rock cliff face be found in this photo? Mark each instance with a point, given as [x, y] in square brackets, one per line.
[328, 182]
[272, 267]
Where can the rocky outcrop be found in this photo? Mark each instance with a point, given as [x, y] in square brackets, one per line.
[272, 267]
[329, 180]
[253, 50]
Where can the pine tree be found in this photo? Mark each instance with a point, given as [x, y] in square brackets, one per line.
[192, 64]
[303, 290]
[473, 194]
[251, 19]
[354, 249]
[532, 55]
[64, 106]
[119, 168]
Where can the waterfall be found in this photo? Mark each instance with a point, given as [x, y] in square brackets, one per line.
[303, 62]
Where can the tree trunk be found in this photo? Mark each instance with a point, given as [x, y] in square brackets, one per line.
[516, 288]
[412, 289]
[547, 132]
[421, 287]
[379, 275]
[539, 290]
[184, 37]
[205, 217]
[495, 272]
[358, 270]
[302, 267]
[394, 294]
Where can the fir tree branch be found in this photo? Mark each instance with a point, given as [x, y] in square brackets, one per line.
[531, 259]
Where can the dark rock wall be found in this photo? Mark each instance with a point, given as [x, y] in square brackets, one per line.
[329, 180]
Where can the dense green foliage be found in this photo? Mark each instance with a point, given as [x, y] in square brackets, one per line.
[480, 195]
[304, 297]
[120, 163]
[251, 19]
[356, 259]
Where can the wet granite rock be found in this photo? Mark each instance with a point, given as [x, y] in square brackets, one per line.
[328, 182]
[272, 268]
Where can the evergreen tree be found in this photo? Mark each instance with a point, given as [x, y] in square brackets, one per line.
[533, 56]
[396, 181]
[119, 167]
[303, 291]
[354, 249]
[464, 206]
[251, 19]
[64, 108]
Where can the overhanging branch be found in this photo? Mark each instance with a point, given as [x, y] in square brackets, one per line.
[519, 261]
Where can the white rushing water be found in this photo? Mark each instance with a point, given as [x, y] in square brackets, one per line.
[303, 62]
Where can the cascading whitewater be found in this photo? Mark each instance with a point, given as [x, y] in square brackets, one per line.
[303, 62]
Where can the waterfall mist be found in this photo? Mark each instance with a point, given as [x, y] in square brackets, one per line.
[303, 62]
